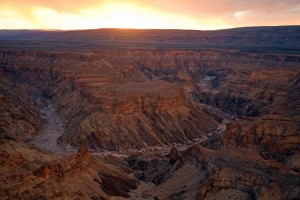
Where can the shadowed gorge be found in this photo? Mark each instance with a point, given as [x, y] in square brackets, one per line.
[150, 114]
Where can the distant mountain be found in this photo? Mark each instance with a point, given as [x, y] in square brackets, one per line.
[284, 37]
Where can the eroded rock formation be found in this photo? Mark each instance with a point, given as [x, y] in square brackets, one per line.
[231, 116]
[97, 94]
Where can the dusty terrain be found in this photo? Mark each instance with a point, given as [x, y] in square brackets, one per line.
[174, 121]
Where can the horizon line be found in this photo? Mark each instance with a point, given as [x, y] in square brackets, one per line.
[117, 28]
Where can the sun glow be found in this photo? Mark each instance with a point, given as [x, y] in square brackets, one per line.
[111, 15]
[10, 19]
[146, 14]
[132, 16]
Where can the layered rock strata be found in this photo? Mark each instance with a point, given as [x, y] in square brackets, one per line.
[122, 99]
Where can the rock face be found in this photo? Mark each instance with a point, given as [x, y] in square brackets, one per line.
[19, 117]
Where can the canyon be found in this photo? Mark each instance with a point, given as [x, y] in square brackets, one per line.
[150, 114]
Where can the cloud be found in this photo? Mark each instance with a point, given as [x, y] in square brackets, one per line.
[200, 14]
[240, 15]
[224, 6]
[59, 5]
[194, 7]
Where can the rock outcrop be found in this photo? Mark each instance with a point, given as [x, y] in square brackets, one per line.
[58, 168]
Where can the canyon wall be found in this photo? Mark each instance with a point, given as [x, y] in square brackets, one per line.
[122, 99]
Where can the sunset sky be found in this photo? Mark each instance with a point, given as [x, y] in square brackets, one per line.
[161, 14]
